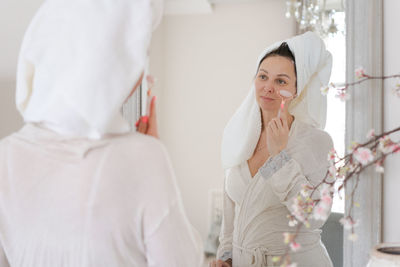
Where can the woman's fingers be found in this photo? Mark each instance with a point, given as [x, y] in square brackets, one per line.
[153, 115]
[284, 121]
[153, 129]
[143, 125]
[273, 126]
[270, 131]
[278, 124]
[148, 124]
[219, 263]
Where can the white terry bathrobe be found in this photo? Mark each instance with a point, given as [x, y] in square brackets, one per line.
[256, 208]
[76, 188]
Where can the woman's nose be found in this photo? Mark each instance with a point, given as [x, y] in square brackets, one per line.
[269, 88]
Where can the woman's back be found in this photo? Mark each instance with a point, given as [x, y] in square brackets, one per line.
[111, 202]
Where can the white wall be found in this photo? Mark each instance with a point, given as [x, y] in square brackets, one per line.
[10, 120]
[208, 62]
[15, 16]
[391, 218]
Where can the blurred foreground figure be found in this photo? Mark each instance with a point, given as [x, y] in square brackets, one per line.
[76, 188]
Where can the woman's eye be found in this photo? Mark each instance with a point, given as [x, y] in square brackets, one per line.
[263, 77]
[281, 82]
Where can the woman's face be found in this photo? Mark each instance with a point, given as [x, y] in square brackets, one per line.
[275, 73]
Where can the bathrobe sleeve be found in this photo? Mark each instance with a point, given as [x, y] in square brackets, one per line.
[303, 163]
[224, 251]
[169, 237]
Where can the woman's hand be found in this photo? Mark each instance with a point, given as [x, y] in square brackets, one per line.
[148, 124]
[277, 134]
[220, 263]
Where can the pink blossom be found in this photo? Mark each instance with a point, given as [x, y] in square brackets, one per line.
[352, 167]
[294, 246]
[323, 208]
[301, 205]
[353, 237]
[327, 200]
[353, 146]
[150, 81]
[371, 134]
[363, 155]
[396, 89]
[332, 156]
[293, 223]
[286, 264]
[379, 168]
[304, 193]
[360, 72]
[276, 258]
[343, 95]
[297, 209]
[332, 171]
[348, 223]
[321, 212]
[287, 238]
[386, 145]
[324, 90]
[342, 172]
[326, 189]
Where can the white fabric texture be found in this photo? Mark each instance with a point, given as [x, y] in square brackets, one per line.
[80, 60]
[313, 65]
[256, 208]
[91, 203]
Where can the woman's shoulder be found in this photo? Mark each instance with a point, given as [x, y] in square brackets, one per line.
[136, 139]
[142, 154]
[138, 143]
[312, 141]
[313, 135]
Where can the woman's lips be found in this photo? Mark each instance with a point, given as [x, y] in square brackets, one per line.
[267, 99]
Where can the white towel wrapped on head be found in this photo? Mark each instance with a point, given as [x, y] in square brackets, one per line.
[79, 62]
[313, 65]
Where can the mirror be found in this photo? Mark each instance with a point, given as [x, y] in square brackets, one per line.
[205, 61]
[204, 56]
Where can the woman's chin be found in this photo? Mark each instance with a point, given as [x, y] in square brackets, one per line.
[269, 109]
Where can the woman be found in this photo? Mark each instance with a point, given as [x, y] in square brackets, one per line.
[76, 188]
[268, 157]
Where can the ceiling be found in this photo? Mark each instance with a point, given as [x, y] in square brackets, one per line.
[187, 7]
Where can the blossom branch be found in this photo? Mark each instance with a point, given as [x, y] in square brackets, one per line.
[353, 165]
[341, 170]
